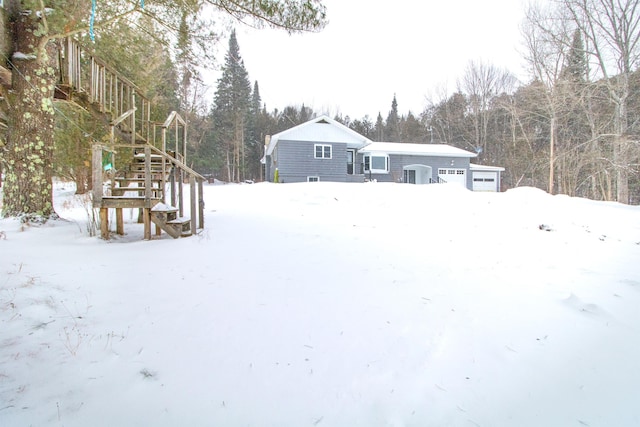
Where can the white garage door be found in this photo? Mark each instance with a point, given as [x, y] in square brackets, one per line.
[455, 176]
[485, 181]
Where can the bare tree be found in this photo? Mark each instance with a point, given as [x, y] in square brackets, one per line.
[612, 31]
[546, 42]
[482, 83]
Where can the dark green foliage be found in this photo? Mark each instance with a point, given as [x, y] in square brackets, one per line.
[76, 131]
[412, 130]
[378, 130]
[392, 125]
[575, 69]
[364, 127]
[230, 113]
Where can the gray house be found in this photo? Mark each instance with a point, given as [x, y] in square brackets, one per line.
[323, 149]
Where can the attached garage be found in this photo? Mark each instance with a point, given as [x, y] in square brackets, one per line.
[453, 176]
[485, 178]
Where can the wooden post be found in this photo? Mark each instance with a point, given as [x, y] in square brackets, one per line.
[96, 175]
[173, 185]
[201, 203]
[146, 218]
[192, 194]
[180, 192]
[104, 223]
[119, 222]
[147, 177]
[133, 118]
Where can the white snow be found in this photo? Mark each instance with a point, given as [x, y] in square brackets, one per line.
[22, 56]
[330, 305]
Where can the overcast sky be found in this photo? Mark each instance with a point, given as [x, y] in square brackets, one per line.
[371, 50]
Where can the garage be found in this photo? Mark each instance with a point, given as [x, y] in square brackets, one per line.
[453, 176]
[485, 178]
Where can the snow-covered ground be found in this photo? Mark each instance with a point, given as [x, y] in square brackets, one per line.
[328, 304]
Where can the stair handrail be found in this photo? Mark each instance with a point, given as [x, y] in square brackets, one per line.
[112, 92]
[195, 179]
[174, 116]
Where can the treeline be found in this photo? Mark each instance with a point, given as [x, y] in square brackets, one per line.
[571, 129]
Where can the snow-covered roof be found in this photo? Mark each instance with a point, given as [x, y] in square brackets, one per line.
[438, 150]
[475, 167]
[320, 129]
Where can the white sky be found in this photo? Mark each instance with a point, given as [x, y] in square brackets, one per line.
[371, 50]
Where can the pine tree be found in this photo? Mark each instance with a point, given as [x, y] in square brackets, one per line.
[575, 69]
[230, 111]
[379, 129]
[255, 134]
[413, 130]
[392, 128]
[32, 29]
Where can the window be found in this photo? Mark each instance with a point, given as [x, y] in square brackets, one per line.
[376, 163]
[313, 179]
[322, 151]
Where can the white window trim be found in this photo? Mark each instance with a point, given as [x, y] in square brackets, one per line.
[315, 151]
[371, 170]
[313, 179]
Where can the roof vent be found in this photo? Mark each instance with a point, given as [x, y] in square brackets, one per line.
[323, 121]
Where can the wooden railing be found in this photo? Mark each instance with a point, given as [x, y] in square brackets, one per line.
[174, 184]
[84, 75]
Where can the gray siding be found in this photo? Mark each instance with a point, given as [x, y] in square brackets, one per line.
[295, 162]
[398, 161]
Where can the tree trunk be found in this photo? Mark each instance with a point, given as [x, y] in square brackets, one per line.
[29, 151]
[552, 144]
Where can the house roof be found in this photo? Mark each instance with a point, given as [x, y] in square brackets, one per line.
[437, 150]
[320, 129]
[475, 167]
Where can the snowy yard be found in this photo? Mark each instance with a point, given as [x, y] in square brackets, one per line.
[326, 304]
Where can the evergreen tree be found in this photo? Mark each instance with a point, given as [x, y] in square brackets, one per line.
[413, 130]
[364, 127]
[392, 127]
[575, 68]
[230, 111]
[255, 134]
[379, 129]
[76, 130]
[32, 29]
[292, 116]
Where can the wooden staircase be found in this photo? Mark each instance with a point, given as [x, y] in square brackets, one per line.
[166, 217]
[152, 179]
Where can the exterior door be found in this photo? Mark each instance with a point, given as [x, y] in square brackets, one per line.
[410, 176]
[417, 174]
[351, 160]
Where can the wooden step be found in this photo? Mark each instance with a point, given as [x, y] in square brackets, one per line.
[165, 217]
[126, 202]
[161, 207]
[184, 224]
[119, 191]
